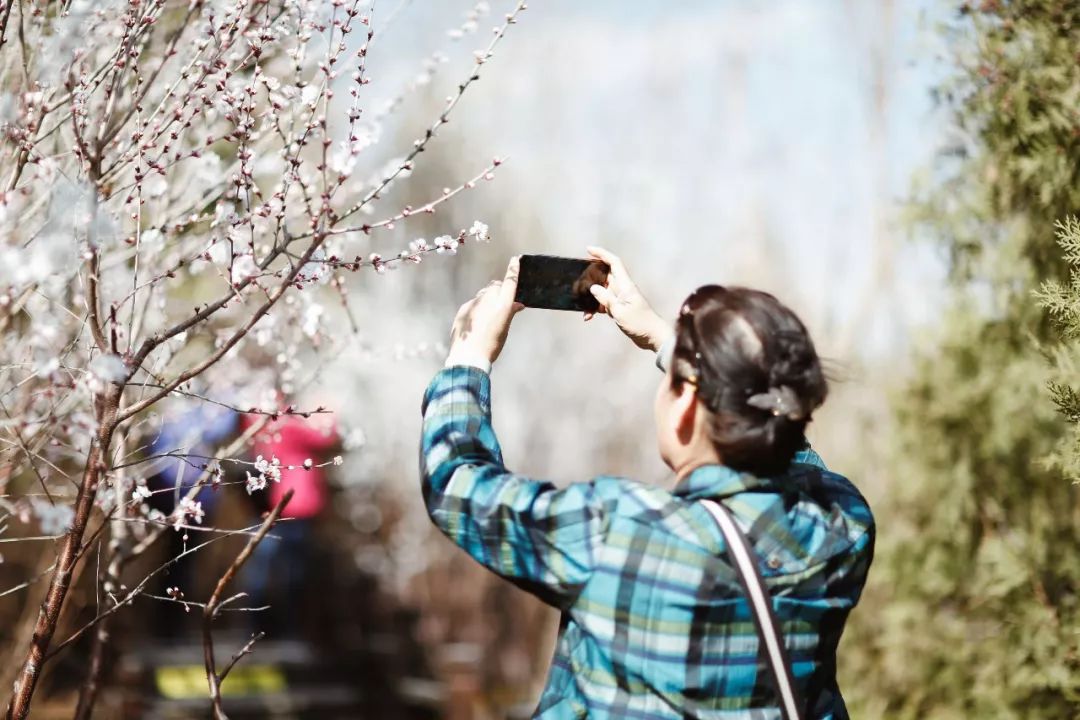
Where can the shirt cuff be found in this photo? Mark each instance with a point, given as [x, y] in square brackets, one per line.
[663, 355]
[449, 382]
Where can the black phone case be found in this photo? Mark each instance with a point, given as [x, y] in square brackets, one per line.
[559, 283]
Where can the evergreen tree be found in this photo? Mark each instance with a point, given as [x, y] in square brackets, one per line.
[973, 609]
[1062, 300]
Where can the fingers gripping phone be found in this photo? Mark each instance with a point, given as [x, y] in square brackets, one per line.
[559, 283]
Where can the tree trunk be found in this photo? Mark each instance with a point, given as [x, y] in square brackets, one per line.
[24, 626]
[23, 691]
[117, 554]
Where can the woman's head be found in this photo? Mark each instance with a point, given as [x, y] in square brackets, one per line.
[742, 383]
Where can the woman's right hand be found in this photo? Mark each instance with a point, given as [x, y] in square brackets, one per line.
[622, 300]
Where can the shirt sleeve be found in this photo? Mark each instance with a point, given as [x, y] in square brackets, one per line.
[542, 538]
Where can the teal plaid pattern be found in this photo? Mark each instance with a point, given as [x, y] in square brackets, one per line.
[654, 624]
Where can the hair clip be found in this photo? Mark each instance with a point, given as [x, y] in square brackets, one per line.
[779, 401]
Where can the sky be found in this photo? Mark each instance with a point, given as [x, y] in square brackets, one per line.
[770, 143]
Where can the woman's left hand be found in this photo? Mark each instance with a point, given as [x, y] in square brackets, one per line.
[481, 325]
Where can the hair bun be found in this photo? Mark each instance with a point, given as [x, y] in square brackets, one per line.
[795, 367]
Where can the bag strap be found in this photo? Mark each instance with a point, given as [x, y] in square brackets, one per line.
[768, 629]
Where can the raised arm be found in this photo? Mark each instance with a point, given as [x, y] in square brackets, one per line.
[530, 532]
[542, 538]
[621, 299]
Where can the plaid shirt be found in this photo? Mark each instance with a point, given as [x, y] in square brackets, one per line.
[654, 624]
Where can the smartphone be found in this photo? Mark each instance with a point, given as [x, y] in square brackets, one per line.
[559, 283]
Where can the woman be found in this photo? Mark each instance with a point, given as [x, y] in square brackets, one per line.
[654, 621]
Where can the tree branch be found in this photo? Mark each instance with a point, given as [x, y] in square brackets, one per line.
[213, 606]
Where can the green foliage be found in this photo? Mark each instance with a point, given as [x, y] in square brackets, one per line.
[1062, 299]
[973, 610]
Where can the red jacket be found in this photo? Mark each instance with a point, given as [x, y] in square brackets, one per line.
[292, 440]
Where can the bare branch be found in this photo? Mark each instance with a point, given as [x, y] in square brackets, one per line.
[213, 606]
[246, 650]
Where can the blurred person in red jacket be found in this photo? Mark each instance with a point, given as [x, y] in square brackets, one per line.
[291, 454]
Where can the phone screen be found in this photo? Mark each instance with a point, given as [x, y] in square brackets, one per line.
[559, 283]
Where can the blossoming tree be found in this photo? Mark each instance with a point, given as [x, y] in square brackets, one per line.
[180, 190]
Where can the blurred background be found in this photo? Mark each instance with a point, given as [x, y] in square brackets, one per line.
[770, 144]
[892, 170]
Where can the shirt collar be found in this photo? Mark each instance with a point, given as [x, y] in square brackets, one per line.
[719, 481]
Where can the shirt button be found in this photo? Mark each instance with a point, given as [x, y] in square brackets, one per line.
[773, 562]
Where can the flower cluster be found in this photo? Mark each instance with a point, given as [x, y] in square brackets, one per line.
[479, 232]
[187, 508]
[264, 470]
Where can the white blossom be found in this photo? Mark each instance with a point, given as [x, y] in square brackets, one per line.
[316, 269]
[151, 238]
[312, 315]
[205, 169]
[265, 330]
[254, 482]
[47, 366]
[52, 519]
[343, 160]
[269, 165]
[243, 267]
[199, 193]
[109, 368]
[155, 186]
[271, 468]
[479, 231]
[266, 470]
[446, 245]
[219, 252]
[310, 94]
[188, 507]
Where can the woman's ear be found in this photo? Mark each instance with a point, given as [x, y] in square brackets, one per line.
[684, 412]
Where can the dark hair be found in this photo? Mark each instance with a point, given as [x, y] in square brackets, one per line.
[755, 369]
